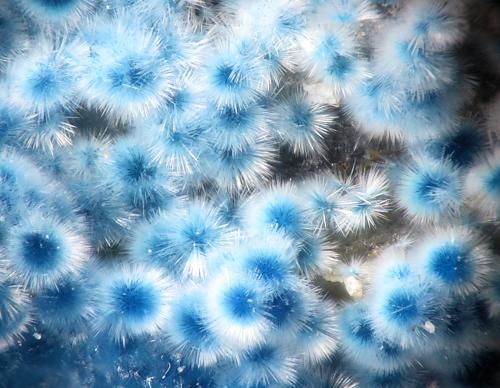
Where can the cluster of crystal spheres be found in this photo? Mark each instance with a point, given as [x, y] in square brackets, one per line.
[235, 193]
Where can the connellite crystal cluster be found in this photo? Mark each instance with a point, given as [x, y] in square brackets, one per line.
[249, 193]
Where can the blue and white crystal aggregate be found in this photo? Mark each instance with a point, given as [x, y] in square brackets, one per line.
[289, 193]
